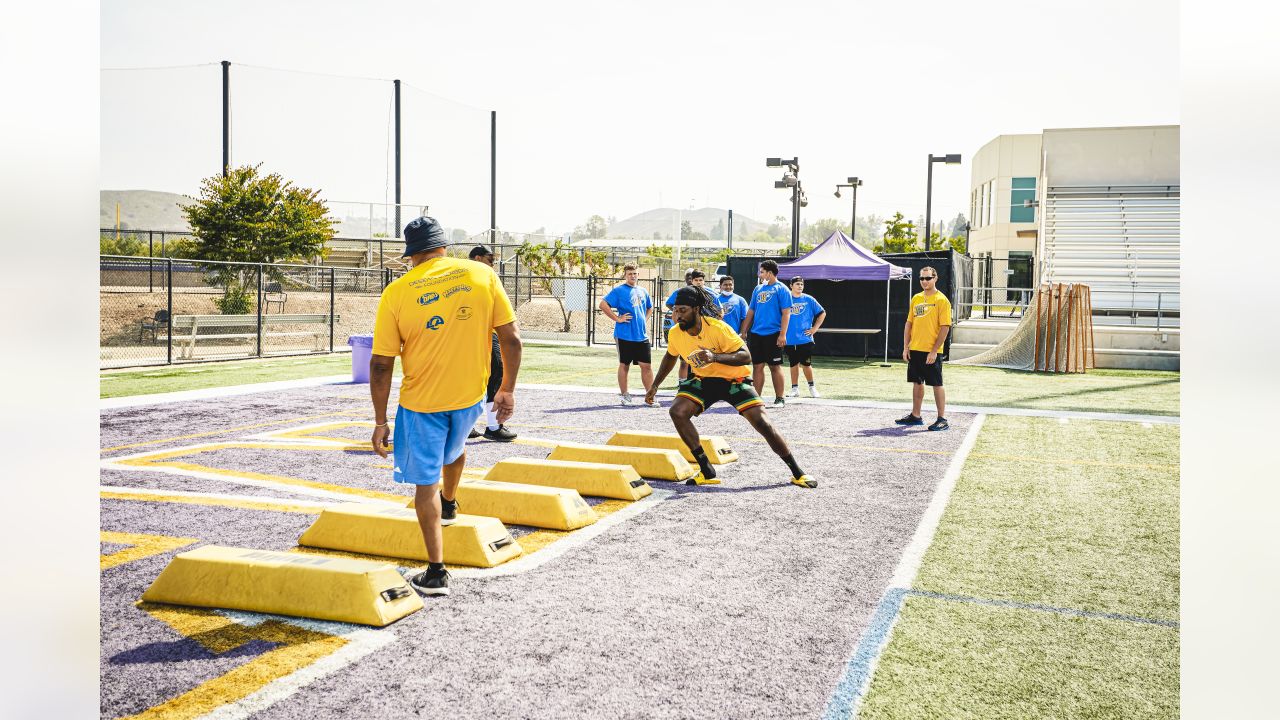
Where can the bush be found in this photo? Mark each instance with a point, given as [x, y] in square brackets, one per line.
[237, 300]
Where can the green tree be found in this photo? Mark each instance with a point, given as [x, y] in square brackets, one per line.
[898, 236]
[957, 243]
[688, 234]
[717, 232]
[458, 236]
[595, 227]
[549, 263]
[248, 217]
[815, 233]
[659, 251]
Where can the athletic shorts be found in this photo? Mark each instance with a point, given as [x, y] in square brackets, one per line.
[920, 372]
[707, 391]
[764, 349]
[423, 443]
[495, 371]
[633, 352]
[800, 354]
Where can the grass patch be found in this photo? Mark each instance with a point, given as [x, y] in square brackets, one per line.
[959, 661]
[1146, 392]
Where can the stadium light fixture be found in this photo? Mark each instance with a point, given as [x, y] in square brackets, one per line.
[854, 183]
[791, 179]
[949, 159]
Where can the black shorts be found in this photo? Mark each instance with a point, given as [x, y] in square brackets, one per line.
[920, 372]
[633, 352]
[764, 349]
[800, 354]
[495, 371]
[707, 391]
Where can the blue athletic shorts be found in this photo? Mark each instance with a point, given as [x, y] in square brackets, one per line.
[423, 443]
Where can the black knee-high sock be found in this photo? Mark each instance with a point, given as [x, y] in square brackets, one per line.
[791, 463]
[704, 463]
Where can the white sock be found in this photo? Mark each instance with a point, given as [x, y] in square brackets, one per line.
[490, 416]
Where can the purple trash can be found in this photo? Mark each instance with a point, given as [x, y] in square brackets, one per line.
[361, 353]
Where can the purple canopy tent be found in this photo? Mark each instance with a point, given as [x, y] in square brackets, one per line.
[840, 258]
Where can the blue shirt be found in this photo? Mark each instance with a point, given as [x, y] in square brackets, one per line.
[804, 310]
[635, 300]
[733, 310]
[767, 302]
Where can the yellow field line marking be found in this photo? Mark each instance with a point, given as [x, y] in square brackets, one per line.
[212, 501]
[143, 546]
[1087, 463]
[219, 634]
[220, 432]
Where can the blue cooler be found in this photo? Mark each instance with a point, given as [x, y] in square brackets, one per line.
[361, 354]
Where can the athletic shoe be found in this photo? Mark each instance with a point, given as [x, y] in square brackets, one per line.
[909, 419]
[805, 481]
[626, 399]
[701, 479]
[428, 582]
[473, 434]
[779, 403]
[795, 392]
[448, 511]
[502, 434]
[813, 391]
[939, 424]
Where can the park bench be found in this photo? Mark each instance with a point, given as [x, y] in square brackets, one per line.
[186, 330]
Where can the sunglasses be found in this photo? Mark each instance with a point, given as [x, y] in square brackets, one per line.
[931, 277]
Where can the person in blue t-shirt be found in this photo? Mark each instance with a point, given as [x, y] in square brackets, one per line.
[692, 278]
[733, 308]
[807, 315]
[765, 329]
[630, 306]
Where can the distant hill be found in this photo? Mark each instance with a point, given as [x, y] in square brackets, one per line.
[664, 221]
[143, 210]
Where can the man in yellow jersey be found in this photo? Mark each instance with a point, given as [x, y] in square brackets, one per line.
[438, 318]
[928, 322]
[718, 360]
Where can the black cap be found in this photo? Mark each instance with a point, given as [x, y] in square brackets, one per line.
[423, 234]
[479, 251]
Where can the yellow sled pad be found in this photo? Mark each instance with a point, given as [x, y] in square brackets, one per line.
[714, 446]
[648, 462]
[519, 504]
[621, 482]
[323, 588]
[394, 531]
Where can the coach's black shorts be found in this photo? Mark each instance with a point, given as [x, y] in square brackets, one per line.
[633, 352]
[495, 371]
[800, 354]
[764, 349]
[707, 391]
[920, 372]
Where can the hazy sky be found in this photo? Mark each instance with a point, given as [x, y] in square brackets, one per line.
[610, 108]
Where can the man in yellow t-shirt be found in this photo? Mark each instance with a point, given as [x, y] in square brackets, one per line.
[438, 318]
[928, 322]
[718, 360]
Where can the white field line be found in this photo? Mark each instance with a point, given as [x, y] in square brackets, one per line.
[360, 643]
[880, 405]
[212, 496]
[576, 539]
[208, 393]
[276, 435]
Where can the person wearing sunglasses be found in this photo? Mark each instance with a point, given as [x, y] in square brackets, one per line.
[928, 322]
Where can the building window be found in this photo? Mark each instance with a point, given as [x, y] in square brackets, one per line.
[990, 193]
[1024, 189]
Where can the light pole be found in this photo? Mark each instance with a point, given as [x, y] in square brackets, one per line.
[928, 200]
[791, 179]
[854, 183]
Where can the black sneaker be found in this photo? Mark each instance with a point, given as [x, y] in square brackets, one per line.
[940, 424]
[448, 511]
[431, 582]
[473, 434]
[502, 434]
[909, 419]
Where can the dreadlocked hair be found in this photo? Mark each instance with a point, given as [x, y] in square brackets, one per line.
[699, 298]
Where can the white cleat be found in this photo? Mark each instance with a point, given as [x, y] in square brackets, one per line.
[813, 391]
[625, 399]
[795, 392]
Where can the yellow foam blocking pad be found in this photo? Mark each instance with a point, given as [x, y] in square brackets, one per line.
[322, 588]
[648, 462]
[520, 504]
[621, 482]
[394, 532]
[714, 446]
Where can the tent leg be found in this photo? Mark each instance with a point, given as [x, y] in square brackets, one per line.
[886, 324]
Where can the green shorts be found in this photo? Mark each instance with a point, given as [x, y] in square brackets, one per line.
[707, 391]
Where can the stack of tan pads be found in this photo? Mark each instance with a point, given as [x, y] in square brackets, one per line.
[546, 494]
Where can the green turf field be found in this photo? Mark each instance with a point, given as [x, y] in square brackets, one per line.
[1127, 391]
[1081, 516]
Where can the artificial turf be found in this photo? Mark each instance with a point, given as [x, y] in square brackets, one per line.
[1120, 391]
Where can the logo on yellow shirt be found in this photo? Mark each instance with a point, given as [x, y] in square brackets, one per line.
[435, 322]
[921, 309]
[428, 298]
[464, 313]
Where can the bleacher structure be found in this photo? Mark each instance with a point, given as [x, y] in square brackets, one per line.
[1123, 242]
